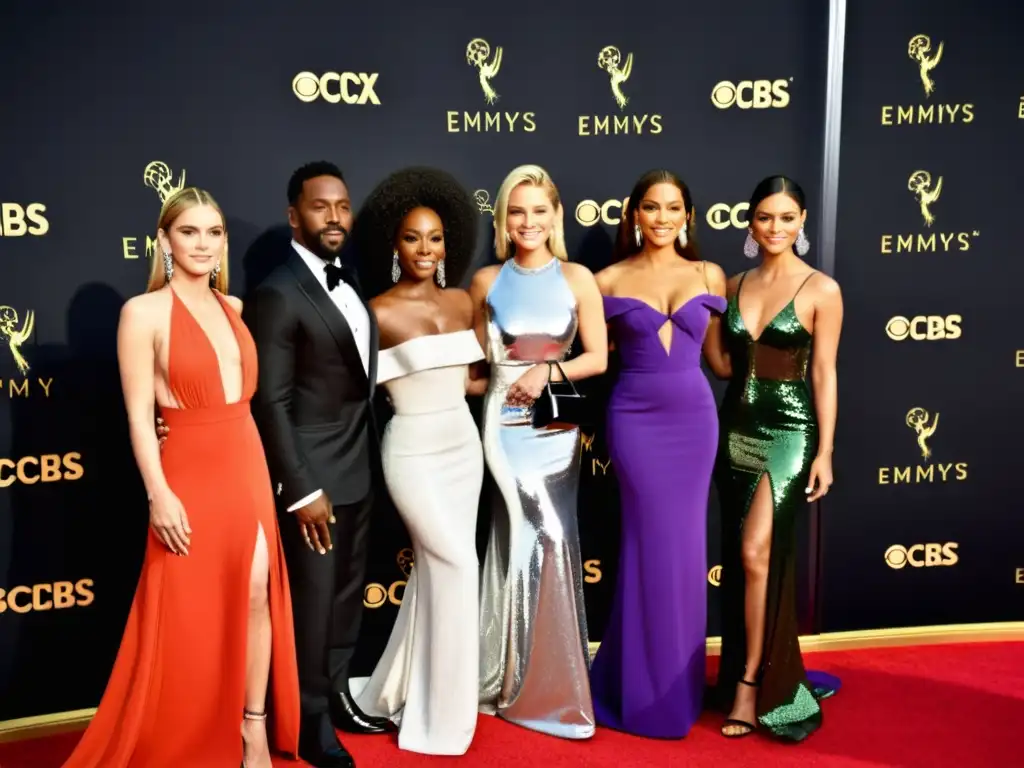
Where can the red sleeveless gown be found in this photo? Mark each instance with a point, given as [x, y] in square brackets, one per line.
[177, 690]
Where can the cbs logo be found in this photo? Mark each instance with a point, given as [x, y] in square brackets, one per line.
[335, 87]
[16, 221]
[922, 555]
[715, 576]
[48, 468]
[46, 597]
[924, 327]
[751, 94]
[376, 594]
[590, 212]
[723, 216]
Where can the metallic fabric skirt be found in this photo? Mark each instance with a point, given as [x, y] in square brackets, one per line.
[534, 656]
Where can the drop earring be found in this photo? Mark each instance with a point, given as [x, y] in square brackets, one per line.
[168, 266]
[803, 245]
[215, 274]
[439, 274]
[683, 237]
[750, 249]
[638, 236]
[396, 271]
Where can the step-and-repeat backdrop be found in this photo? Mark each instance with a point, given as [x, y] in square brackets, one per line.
[106, 113]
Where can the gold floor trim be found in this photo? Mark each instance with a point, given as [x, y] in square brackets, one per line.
[60, 722]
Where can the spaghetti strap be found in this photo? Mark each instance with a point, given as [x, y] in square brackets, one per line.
[813, 273]
[704, 274]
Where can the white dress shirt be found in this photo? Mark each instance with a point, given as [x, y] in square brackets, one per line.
[352, 309]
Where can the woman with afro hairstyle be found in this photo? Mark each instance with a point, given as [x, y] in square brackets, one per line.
[415, 236]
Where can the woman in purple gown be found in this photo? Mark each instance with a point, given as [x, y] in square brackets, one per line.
[662, 428]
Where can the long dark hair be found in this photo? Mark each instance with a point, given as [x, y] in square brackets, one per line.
[773, 185]
[625, 240]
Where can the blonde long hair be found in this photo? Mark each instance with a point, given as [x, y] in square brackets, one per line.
[174, 206]
[534, 176]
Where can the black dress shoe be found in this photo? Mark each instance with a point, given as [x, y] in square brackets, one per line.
[319, 745]
[346, 716]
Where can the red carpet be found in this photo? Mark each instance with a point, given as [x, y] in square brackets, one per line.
[933, 706]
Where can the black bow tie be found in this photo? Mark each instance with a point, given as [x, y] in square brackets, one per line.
[335, 275]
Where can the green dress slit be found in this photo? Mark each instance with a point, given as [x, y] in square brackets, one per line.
[767, 428]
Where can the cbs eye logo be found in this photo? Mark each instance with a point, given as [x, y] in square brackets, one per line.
[751, 94]
[924, 327]
[922, 555]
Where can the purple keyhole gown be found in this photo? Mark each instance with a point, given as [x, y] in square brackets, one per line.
[662, 430]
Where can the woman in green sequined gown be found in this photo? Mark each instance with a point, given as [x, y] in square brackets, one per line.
[775, 456]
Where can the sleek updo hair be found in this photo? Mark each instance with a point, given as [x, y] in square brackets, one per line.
[375, 231]
[625, 239]
[773, 185]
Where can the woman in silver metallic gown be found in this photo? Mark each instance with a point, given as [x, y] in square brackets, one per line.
[534, 655]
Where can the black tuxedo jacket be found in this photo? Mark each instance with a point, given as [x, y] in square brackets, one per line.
[313, 401]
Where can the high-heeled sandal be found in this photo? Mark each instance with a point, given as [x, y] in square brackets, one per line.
[249, 715]
[742, 723]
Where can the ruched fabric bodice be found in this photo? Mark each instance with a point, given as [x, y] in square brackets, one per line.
[428, 374]
[635, 324]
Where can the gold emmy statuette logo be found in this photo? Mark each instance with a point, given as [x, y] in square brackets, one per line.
[14, 336]
[477, 53]
[934, 554]
[482, 198]
[917, 420]
[159, 178]
[609, 59]
[920, 183]
[918, 50]
[924, 426]
[926, 193]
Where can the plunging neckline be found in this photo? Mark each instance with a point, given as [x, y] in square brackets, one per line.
[220, 368]
[787, 305]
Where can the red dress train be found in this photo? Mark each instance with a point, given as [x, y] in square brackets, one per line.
[176, 693]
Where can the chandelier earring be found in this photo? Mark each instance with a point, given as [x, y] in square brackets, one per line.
[750, 248]
[396, 271]
[215, 274]
[803, 245]
[439, 274]
[638, 236]
[168, 266]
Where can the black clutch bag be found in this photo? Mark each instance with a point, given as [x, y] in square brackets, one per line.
[559, 403]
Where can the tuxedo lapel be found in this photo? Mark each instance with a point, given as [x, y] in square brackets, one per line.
[331, 315]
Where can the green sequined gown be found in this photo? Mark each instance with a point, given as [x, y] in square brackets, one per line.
[767, 426]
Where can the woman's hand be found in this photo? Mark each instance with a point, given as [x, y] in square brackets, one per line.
[170, 523]
[820, 479]
[528, 387]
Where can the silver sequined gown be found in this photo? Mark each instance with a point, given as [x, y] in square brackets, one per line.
[534, 660]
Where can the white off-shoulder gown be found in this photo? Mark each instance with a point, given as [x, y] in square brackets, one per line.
[427, 678]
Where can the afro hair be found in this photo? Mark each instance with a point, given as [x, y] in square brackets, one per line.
[376, 226]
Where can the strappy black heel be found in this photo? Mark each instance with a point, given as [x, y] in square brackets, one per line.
[249, 715]
[742, 723]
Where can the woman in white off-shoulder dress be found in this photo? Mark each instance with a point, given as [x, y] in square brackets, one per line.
[417, 230]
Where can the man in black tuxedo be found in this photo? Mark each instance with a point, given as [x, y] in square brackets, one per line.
[316, 340]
